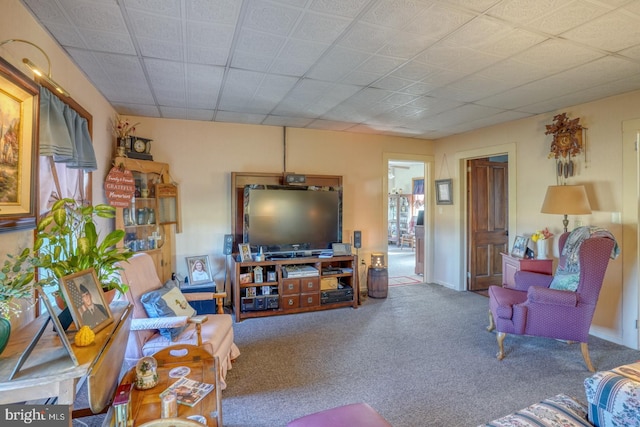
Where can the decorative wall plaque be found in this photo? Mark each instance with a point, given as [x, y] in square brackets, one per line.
[566, 144]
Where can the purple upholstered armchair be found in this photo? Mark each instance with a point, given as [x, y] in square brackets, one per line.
[533, 308]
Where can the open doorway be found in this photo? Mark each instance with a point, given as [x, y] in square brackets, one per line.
[405, 218]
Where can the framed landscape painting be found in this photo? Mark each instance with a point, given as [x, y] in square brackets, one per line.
[19, 106]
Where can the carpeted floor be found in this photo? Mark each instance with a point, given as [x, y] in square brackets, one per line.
[401, 267]
[421, 357]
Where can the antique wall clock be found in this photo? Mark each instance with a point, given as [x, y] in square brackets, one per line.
[566, 145]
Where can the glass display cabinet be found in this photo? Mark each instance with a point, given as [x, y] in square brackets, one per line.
[153, 215]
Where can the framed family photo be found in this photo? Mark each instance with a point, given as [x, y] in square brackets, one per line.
[199, 270]
[245, 252]
[444, 192]
[19, 106]
[519, 247]
[85, 299]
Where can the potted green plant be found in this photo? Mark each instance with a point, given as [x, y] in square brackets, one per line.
[67, 242]
[16, 277]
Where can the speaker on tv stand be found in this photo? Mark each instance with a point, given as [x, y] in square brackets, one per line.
[227, 250]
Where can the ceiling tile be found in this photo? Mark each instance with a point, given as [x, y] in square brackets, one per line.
[269, 17]
[170, 8]
[568, 16]
[223, 12]
[101, 16]
[419, 68]
[346, 8]
[612, 32]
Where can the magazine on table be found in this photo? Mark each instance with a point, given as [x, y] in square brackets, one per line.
[188, 392]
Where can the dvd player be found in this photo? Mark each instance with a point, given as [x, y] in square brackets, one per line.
[336, 295]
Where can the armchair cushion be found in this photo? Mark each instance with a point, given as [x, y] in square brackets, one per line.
[540, 295]
[167, 301]
[525, 279]
[565, 281]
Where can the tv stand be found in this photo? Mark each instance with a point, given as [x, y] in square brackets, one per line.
[293, 285]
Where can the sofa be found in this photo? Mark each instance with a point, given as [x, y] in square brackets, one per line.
[613, 400]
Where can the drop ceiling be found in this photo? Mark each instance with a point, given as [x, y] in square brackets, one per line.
[415, 68]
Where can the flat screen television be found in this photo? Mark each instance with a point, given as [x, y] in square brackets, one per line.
[292, 219]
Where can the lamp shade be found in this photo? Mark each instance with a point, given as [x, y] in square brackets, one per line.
[566, 200]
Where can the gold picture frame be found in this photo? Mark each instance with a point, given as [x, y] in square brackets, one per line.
[19, 121]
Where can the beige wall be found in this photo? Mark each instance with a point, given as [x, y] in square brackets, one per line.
[202, 156]
[600, 170]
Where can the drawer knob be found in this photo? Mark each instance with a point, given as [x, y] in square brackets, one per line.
[290, 286]
[310, 300]
[290, 301]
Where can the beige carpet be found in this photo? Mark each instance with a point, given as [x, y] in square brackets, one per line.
[404, 280]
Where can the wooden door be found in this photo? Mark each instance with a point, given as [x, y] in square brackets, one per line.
[488, 222]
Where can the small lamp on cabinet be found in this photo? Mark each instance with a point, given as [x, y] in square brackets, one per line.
[377, 260]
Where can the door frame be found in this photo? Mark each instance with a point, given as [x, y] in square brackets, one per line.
[460, 187]
[428, 162]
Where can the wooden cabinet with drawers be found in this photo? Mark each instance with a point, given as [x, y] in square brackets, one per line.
[511, 265]
[286, 290]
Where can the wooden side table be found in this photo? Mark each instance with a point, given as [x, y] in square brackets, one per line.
[512, 264]
[50, 372]
[145, 404]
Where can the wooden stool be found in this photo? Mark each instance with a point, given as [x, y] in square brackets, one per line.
[354, 415]
[409, 239]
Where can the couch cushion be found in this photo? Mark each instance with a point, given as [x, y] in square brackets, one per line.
[165, 302]
[613, 397]
[560, 410]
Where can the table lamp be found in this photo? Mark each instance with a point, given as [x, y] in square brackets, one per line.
[377, 260]
[566, 200]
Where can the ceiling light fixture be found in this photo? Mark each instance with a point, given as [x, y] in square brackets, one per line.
[37, 70]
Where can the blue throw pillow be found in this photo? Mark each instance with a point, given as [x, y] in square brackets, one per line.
[166, 302]
[565, 281]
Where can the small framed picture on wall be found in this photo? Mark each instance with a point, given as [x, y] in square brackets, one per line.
[444, 192]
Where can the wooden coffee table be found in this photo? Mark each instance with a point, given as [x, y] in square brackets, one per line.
[145, 404]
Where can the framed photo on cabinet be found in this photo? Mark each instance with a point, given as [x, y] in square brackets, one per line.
[245, 252]
[199, 270]
[519, 247]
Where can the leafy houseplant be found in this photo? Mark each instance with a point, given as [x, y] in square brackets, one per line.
[16, 276]
[67, 242]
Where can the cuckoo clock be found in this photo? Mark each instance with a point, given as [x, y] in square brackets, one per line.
[566, 144]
